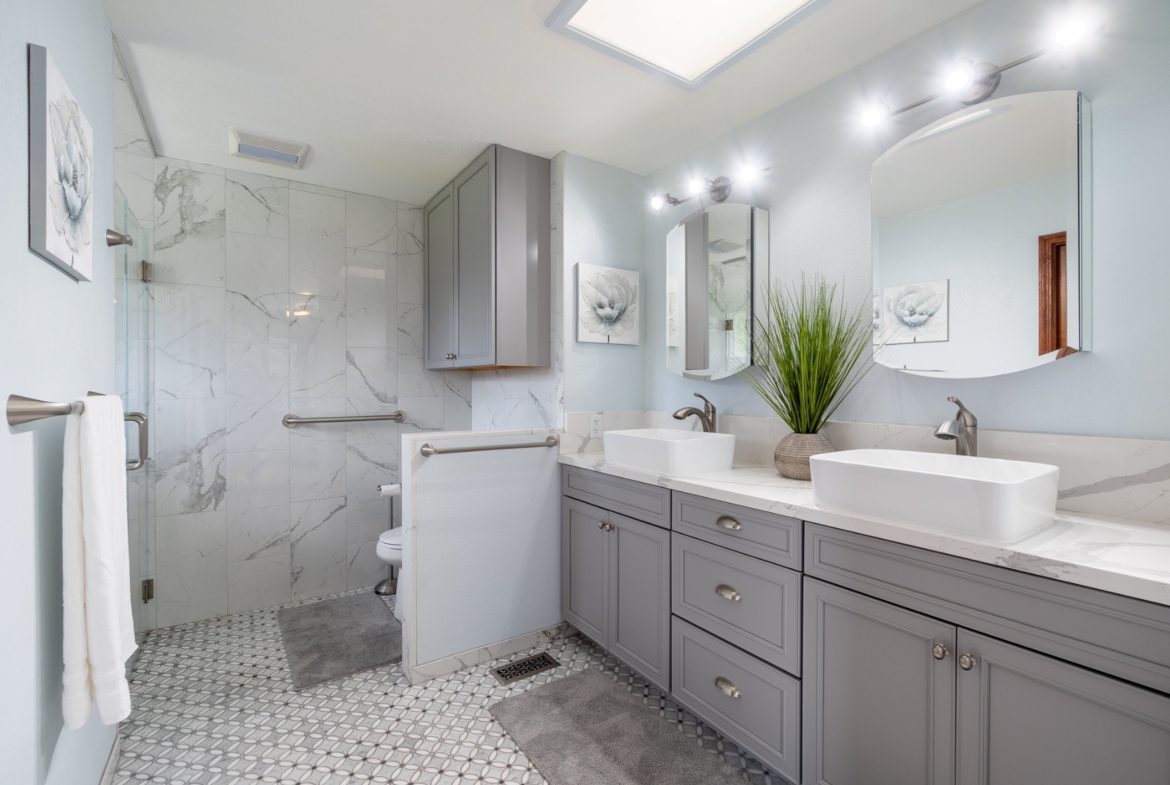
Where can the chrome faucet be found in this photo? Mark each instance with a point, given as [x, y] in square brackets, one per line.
[963, 430]
[706, 416]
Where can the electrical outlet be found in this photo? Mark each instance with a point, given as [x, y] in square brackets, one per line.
[595, 426]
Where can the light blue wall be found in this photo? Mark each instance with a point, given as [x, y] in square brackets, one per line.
[818, 193]
[604, 210]
[56, 342]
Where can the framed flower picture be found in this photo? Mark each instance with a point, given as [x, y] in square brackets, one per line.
[607, 305]
[61, 174]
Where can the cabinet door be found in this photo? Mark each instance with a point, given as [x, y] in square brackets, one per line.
[1028, 718]
[585, 568]
[879, 708]
[439, 217]
[639, 597]
[475, 258]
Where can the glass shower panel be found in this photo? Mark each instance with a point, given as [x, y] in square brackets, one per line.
[134, 329]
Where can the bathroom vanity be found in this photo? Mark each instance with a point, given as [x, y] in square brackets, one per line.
[835, 656]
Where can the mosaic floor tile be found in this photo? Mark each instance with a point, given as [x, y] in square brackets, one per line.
[214, 704]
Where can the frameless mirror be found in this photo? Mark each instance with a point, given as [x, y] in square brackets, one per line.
[716, 266]
[979, 266]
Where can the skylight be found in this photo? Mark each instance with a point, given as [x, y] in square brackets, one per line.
[688, 40]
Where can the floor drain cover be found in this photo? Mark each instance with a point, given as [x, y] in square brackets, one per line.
[523, 668]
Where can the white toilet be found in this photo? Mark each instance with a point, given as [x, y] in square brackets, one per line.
[390, 547]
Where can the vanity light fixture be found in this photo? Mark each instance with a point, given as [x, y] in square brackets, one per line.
[718, 189]
[974, 82]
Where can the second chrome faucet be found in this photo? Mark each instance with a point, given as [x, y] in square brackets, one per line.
[963, 429]
[706, 415]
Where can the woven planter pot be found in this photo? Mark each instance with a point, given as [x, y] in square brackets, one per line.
[794, 450]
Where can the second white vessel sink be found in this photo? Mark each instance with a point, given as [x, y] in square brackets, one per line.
[984, 498]
[669, 451]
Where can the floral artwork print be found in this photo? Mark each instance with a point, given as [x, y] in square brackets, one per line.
[915, 313]
[607, 305]
[62, 226]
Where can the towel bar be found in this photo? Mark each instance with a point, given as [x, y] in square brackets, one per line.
[21, 410]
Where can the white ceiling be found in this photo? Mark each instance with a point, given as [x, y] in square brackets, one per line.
[396, 96]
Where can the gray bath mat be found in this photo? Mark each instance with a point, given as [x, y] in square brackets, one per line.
[587, 729]
[330, 639]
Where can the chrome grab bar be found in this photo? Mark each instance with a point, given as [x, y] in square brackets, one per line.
[428, 449]
[292, 420]
[21, 410]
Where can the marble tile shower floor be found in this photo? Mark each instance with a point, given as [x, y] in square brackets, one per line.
[214, 704]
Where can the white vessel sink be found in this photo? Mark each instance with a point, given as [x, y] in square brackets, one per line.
[669, 451]
[983, 498]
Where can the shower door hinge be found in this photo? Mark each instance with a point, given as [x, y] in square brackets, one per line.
[147, 271]
[148, 584]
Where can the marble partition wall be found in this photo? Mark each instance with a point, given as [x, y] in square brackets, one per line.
[1128, 479]
[272, 296]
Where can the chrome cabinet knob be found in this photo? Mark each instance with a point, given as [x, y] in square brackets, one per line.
[966, 661]
[939, 651]
[449, 356]
[727, 687]
[729, 523]
[601, 525]
[728, 593]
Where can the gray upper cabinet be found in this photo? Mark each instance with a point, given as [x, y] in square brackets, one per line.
[439, 217]
[488, 279]
[1027, 718]
[879, 693]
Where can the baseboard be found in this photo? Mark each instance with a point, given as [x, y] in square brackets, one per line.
[112, 761]
[477, 656]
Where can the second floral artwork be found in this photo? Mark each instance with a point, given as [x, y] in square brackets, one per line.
[607, 305]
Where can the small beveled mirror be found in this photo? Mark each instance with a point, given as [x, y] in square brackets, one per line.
[716, 266]
[979, 238]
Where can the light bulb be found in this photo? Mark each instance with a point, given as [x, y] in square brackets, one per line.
[958, 77]
[1073, 29]
[657, 202]
[747, 174]
[696, 186]
[874, 116]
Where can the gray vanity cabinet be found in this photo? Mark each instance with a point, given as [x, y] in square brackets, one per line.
[615, 585]
[488, 264]
[1024, 717]
[879, 692]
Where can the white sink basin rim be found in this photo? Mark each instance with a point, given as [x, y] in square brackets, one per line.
[669, 451]
[982, 498]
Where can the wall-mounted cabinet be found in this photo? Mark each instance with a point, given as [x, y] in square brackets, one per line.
[488, 265]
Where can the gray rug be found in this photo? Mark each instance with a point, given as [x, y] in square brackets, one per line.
[334, 638]
[587, 729]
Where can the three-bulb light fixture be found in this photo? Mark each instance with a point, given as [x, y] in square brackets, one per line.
[967, 81]
[972, 82]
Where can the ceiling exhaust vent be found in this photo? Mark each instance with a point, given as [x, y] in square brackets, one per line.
[246, 144]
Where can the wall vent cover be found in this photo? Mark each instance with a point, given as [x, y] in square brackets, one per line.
[247, 144]
[525, 667]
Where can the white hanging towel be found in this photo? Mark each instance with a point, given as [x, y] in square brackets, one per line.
[99, 626]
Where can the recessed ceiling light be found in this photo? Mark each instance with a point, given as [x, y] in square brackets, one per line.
[688, 40]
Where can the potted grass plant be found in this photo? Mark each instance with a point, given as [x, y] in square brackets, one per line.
[810, 352]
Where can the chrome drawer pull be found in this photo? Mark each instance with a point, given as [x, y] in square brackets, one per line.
[728, 593]
[729, 523]
[727, 687]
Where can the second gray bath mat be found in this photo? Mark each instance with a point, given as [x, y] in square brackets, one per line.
[587, 729]
[334, 638]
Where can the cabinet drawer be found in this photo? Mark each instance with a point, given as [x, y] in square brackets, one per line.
[636, 499]
[753, 704]
[1120, 636]
[774, 538]
[751, 603]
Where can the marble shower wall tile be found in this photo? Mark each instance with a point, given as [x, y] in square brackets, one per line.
[189, 341]
[371, 299]
[370, 223]
[257, 288]
[317, 343]
[191, 567]
[257, 396]
[319, 553]
[317, 452]
[257, 506]
[316, 244]
[189, 223]
[257, 204]
[189, 455]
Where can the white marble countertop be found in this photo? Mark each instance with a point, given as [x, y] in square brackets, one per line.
[1126, 558]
